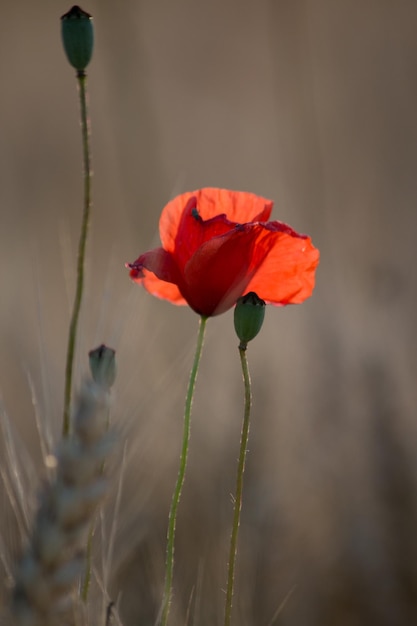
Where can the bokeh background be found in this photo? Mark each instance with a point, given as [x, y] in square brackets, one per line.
[311, 103]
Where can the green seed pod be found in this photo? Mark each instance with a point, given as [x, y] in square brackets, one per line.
[103, 366]
[78, 37]
[248, 317]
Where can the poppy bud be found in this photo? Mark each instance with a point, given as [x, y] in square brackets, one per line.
[77, 37]
[249, 317]
[103, 366]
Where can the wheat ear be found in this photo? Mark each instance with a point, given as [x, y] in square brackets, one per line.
[54, 559]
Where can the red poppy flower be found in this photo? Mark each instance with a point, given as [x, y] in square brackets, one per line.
[218, 245]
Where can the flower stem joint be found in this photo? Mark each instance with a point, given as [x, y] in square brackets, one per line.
[249, 316]
[78, 37]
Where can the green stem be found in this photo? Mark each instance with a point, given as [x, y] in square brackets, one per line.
[239, 487]
[72, 335]
[169, 563]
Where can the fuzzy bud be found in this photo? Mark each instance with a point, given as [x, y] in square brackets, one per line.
[103, 366]
[78, 37]
[248, 317]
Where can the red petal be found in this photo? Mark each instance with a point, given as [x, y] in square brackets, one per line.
[239, 207]
[287, 274]
[158, 261]
[157, 272]
[221, 269]
[161, 289]
[193, 232]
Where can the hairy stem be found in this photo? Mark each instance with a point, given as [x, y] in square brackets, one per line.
[72, 335]
[172, 519]
[239, 487]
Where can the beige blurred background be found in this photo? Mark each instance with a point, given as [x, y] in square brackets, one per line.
[310, 103]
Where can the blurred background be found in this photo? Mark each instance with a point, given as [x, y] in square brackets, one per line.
[311, 103]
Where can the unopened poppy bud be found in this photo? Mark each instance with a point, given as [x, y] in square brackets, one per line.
[77, 37]
[103, 366]
[249, 317]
